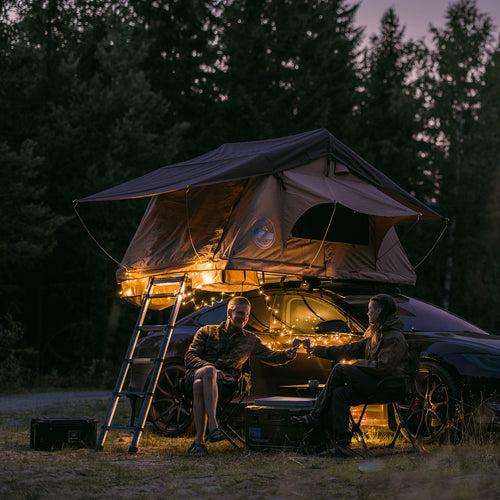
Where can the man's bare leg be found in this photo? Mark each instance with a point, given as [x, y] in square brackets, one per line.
[200, 418]
[205, 396]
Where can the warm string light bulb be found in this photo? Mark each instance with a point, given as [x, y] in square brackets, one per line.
[199, 303]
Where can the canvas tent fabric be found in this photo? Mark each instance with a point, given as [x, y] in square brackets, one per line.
[244, 160]
[302, 205]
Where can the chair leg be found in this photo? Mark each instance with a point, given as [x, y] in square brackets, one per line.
[225, 416]
[356, 429]
[403, 424]
[229, 432]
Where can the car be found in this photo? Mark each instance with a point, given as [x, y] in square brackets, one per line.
[458, 377]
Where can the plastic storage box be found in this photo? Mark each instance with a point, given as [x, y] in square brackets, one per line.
[54, 433]
[268, 426]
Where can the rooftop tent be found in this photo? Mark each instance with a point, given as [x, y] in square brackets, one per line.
[302, 205]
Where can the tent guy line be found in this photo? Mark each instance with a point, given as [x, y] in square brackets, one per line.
[75, 203]
[324, 236]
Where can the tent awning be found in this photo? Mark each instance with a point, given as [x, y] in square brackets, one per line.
[245, 160]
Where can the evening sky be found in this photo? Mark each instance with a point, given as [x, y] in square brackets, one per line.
[416, 15]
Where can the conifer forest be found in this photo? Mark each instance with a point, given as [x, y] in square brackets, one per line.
[97, 92]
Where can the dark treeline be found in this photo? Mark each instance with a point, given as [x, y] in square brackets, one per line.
[96, 92]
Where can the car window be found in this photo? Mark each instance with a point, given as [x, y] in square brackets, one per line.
[282, 316]
[261, 313]
[303, 313]
[419, 316]
[279, 314]
[423, 317]
[210, 315]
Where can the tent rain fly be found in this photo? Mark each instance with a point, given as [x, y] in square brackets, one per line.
[302, 205]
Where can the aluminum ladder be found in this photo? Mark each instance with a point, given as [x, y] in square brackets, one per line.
[118, 393]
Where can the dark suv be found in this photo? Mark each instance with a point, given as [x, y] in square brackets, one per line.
[459, 372]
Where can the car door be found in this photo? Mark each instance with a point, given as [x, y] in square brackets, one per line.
[280, 316]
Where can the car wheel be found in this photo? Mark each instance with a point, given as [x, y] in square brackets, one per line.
[171, 413]
[433, 413]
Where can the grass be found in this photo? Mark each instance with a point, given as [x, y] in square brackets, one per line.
[163, 469]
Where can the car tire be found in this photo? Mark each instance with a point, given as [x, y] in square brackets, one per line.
[171, 412]
[434, 413]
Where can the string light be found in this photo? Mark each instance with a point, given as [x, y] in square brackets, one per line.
[198, 303]
[279, 335]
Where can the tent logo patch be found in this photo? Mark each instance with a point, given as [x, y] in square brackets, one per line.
[263, 232]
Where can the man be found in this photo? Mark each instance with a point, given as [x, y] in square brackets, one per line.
[214, 362]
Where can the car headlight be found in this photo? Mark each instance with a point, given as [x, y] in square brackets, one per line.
[485, 361]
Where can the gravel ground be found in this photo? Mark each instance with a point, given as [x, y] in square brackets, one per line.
[26, 402]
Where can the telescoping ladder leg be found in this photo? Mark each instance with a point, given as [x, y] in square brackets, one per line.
[143, 415]
[130, 359]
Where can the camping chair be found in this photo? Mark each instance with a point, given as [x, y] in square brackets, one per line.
[179, 404]
[401, 394]
[228, 409]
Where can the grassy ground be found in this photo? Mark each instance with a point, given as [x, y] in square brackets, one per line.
[163, 469]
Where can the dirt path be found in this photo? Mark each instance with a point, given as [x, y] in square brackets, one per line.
[25, 402]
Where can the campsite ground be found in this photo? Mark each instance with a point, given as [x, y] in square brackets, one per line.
[33, 402]
[162, 468]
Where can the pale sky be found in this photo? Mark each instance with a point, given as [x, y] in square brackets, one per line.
[416, 15]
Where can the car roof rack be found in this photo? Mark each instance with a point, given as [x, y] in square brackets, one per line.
[332, 284]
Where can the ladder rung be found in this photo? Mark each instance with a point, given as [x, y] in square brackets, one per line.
[130, 393]
[141, 361]
[163, 281]
[162, 295]
[153, 328]
[121, 428]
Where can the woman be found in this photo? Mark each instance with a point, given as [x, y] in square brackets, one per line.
[384, 350]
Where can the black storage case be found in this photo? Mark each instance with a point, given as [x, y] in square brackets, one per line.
[54, 433]
[269, 428]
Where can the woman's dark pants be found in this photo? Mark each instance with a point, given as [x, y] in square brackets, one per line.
[347, 386]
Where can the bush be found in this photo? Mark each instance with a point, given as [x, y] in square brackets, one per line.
[15, 360]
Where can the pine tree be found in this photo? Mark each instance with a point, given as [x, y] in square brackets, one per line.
[390, 117]
[105, 130]
[181, 56]
[28, 224]
[289, 67]
[100, 124]
[463, 50]
[390, 127]
[482, 271]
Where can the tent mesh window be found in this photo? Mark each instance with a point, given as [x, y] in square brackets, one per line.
[347, 225]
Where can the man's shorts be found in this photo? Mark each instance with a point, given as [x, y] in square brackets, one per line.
[225, 389]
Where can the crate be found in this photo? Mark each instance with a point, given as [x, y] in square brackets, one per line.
[55, 433]
[270, 428]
